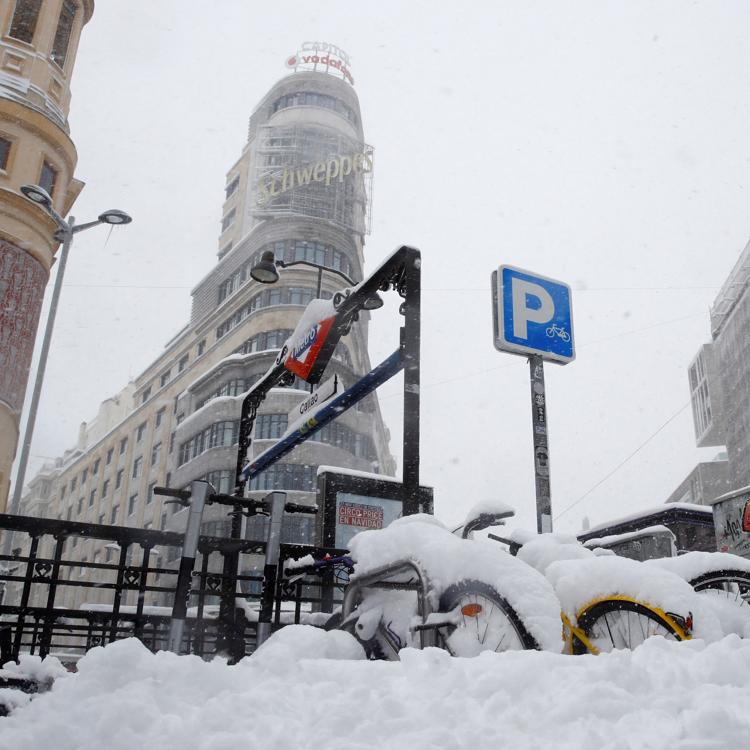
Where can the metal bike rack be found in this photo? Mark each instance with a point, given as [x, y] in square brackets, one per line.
[378, 578]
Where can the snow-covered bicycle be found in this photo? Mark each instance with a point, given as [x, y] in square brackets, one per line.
[418, 585]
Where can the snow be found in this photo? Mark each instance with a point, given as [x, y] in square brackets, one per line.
[693, 564]
[33, 668]
[542, 550]
[489, 507]
[650, 512]
[682, 696]
[357, 473]
[447, 559]
[627, 537]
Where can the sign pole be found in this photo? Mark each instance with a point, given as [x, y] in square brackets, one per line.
[541, 447]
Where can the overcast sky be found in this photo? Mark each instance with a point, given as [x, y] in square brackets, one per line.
[606, 144]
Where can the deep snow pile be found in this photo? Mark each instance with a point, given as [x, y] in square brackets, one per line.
[662, 695]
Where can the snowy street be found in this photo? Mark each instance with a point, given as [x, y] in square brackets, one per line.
[682, 696]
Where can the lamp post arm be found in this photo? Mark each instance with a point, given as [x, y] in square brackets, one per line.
[340, 274]
[87, 225]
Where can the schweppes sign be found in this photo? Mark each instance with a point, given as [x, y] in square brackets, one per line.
[335, 169]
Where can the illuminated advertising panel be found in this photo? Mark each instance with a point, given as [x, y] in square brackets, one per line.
[356, 501]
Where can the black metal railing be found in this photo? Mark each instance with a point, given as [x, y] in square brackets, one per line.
[57, 598]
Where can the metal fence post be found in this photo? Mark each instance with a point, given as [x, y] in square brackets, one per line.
[270, 569]
[199, 490]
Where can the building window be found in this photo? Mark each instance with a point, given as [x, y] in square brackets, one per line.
[140, 432]
[160, 416]
[270, 426]
[92, 497]
[123, 446]
[62, 35]
[146, 395]
[72, 484]
[150, 494]
[228, 220]
[48, 177]
[25, 16]
[231, 188]
[95, 470]
[281, 476]
[163, 521]
[231, 388]
[137, 467]
[267, 298]
[80, 506]
[183, 363]
[201, 347]
[62, 493]
[131, 504]
[118, 479]
[165, 378]
[5, 145]
[216, 435]
[155, 453]
[84, 476]
[110, 453]
[113, 515]
[105, 488]
[313, 99]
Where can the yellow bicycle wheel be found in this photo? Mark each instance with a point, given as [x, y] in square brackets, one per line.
[618, 622]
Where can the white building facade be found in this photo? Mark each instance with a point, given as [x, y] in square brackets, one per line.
[301, 190]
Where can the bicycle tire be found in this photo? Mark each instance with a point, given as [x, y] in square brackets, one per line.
[503, 629]
[721, 580]
[603, 620]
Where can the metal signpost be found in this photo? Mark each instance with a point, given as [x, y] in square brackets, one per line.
[533, 317]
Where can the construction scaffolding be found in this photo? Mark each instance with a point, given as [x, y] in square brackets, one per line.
[310, 171]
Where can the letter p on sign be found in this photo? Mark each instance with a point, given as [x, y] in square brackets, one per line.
[532, 314]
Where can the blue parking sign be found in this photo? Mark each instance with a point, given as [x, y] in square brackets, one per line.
[532, 314]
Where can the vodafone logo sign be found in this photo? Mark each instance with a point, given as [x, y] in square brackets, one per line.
[323, 57]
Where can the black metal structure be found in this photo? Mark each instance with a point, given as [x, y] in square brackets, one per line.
[693, 527]
[401, 272]
[33, 584]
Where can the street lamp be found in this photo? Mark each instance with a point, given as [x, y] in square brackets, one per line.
[265, 272]
[64, 234]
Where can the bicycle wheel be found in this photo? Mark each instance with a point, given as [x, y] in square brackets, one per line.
[620, 622]
[485, 621]
[732, 584]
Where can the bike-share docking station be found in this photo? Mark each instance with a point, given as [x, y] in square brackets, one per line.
[532, 316]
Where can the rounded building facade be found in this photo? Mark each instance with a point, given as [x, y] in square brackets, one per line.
[300, 190]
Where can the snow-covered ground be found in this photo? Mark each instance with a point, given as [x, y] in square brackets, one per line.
[675, 696]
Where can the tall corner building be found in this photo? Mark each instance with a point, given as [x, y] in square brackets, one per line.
[300, 188]
[719, 378]
[37, 53]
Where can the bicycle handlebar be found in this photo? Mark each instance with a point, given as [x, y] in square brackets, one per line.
[183, 496]
[318, 566]
[513, 547]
